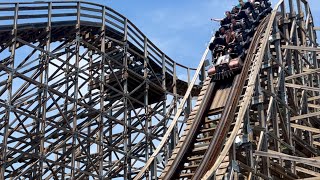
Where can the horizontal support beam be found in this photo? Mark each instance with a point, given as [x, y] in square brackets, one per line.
[316, 143]
[273, 154]
[316, 28]
[313, 106]
[316, 136]
[301, 48]
[306, 128]
[314, 98]
[308, 88]
[307, 171]
[303, 116]
[312, 178]
[312, 71]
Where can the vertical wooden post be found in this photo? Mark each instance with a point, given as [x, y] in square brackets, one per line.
[9, 95]
[75, 94]
[102, 91]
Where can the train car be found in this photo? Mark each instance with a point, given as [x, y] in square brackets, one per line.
[226, 67]
[228, 57]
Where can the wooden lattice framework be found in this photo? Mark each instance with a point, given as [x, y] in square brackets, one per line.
[84, 94]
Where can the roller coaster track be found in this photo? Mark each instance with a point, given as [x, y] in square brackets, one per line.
[84, 94]
[208, 148]
[240, 100]
[224, 103]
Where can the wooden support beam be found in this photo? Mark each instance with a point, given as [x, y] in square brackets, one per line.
[305, 116]
[316, 136]
[272, 135]
[316, 157]
[306, 128]
[312, 178]
[278, 155]
[308, 171]
[316, 143]
[301, 48]
[312, 71]
[296, 86]
[175, 119]
[303, 143]
[277, 168]
[313, 98]
[313, 106]
[316, 28]
[249, 169]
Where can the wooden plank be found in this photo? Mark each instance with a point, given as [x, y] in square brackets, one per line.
[312, 71]
[37, 8]
[316, 136]
[316, 28]
[272, 135]
[316, 157]
[294, 118]
[301, 48]
[307, 171]
[312, 178]
[313, 98]
[278, 155]
[252, 171]
[316, 143]
[306, 128]
[302, 87]
[282, 171]
[313, 106]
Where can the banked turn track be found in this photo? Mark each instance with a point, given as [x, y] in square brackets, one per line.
[263, 123]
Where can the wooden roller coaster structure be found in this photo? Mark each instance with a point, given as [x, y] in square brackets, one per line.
[89, 96]
[84, 94]
[264, 122]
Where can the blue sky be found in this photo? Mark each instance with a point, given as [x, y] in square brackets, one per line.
[181, 29]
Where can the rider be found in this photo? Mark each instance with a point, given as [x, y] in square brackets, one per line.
[218, 45]
[236, 25]
[225, 21]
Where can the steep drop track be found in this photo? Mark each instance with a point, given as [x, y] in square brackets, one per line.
[211, 120]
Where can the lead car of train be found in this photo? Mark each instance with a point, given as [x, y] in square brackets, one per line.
[234, 37]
